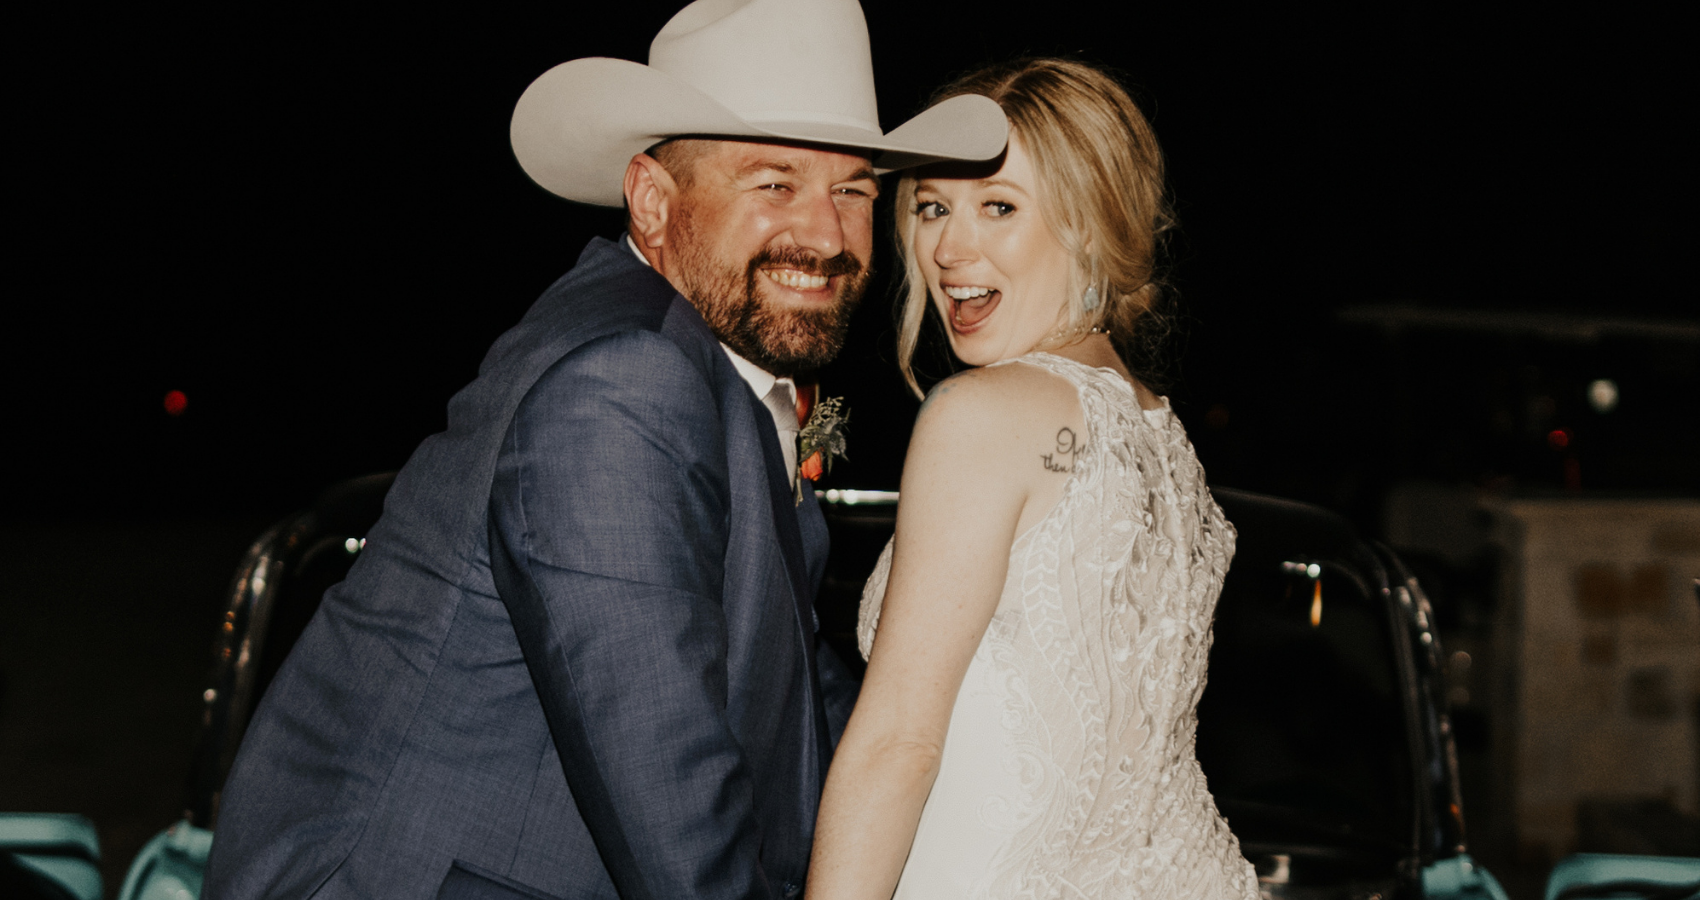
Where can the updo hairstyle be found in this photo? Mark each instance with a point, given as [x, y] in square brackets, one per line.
[1100, 190]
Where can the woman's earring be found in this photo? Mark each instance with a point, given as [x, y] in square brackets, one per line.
[1090, 301]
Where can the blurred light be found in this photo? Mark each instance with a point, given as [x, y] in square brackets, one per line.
[1602, 395]
[858, 498]
[1460, 665]
[1316, 605]
[352, 545]
[176, 402]
[1309, 570]
[1558, 438]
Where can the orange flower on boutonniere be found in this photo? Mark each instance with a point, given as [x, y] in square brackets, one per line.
[812, 467]
[821, 439]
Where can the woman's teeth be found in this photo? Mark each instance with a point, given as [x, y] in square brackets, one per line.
[792, 278]
[971, 305]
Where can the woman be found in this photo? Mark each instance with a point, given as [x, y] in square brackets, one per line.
[1043, 612]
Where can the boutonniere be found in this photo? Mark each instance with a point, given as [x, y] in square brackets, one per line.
[821, 439]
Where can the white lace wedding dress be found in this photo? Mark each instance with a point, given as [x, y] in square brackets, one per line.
[1068, 769]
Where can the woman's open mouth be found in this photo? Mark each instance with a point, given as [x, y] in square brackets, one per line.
[969, 306]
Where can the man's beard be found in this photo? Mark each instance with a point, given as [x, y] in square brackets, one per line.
[784, 341]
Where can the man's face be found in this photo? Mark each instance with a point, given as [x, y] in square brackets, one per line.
[771, 244]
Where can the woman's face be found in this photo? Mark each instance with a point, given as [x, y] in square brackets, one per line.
[994, 269]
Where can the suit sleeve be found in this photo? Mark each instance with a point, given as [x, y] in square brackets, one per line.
[608, 535]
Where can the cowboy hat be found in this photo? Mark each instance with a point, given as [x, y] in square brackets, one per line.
[795, 70]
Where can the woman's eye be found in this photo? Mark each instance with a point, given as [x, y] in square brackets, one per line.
[930, 209]
[998, 208]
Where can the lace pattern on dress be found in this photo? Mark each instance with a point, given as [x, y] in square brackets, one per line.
[1095, 658]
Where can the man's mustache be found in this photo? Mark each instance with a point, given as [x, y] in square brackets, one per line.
[806, 262]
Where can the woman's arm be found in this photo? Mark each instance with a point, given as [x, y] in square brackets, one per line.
[974, 477]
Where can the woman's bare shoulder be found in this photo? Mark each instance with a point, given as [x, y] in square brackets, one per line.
[1000, 396]
[993, 448]
[996, 431]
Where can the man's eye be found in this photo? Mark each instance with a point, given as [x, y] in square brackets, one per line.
[997, 208]
[931, 209]
[775, 187]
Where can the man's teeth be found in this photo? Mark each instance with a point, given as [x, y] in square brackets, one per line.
[792, 278]
[967, 293]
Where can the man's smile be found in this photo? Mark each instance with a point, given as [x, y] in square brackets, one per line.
[797, 280]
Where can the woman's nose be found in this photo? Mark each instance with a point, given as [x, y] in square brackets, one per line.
[956, 244]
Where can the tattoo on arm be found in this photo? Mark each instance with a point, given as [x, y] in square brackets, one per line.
[1068, 449]
[938, 391]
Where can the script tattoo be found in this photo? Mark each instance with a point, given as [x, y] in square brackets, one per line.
[1067, 446]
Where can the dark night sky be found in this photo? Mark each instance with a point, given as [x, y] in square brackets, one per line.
[313, 224]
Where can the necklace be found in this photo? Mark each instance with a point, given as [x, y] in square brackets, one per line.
[1064, 334]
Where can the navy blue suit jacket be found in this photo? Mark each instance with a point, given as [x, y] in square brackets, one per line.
[577, 657]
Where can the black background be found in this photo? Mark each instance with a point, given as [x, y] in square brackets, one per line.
[312, 224]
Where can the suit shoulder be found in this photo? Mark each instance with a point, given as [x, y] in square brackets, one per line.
[608, 292]
[608, 286]
[630, 369]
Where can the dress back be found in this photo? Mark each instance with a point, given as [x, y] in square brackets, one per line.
[1068, 769]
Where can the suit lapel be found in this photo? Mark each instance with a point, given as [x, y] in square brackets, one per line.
[811, 524]
[796, 563]
[779, 493]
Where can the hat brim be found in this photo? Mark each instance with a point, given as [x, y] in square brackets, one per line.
[578, 125]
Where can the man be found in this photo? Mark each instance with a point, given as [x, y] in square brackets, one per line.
[577, 657]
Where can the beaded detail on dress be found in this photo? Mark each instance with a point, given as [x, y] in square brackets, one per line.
[1069, 767]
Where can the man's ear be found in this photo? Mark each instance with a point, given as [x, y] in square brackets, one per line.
[650, 194]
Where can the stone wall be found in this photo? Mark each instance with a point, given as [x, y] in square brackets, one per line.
[1602, 633]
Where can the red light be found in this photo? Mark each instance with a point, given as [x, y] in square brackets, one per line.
[1558, 438]
[176, 402]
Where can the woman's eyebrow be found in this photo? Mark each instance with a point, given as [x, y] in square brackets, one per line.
[992, 182]
[1000, 182]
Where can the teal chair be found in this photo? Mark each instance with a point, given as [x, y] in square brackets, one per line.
[171, 866]
[1460, 878]
[49, 856]
[1590, 875]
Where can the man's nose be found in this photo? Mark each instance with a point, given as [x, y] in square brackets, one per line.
[819, 226]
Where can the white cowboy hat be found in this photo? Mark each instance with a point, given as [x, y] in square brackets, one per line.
[797, 70]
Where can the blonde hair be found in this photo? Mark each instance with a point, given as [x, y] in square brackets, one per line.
[1100, 190]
